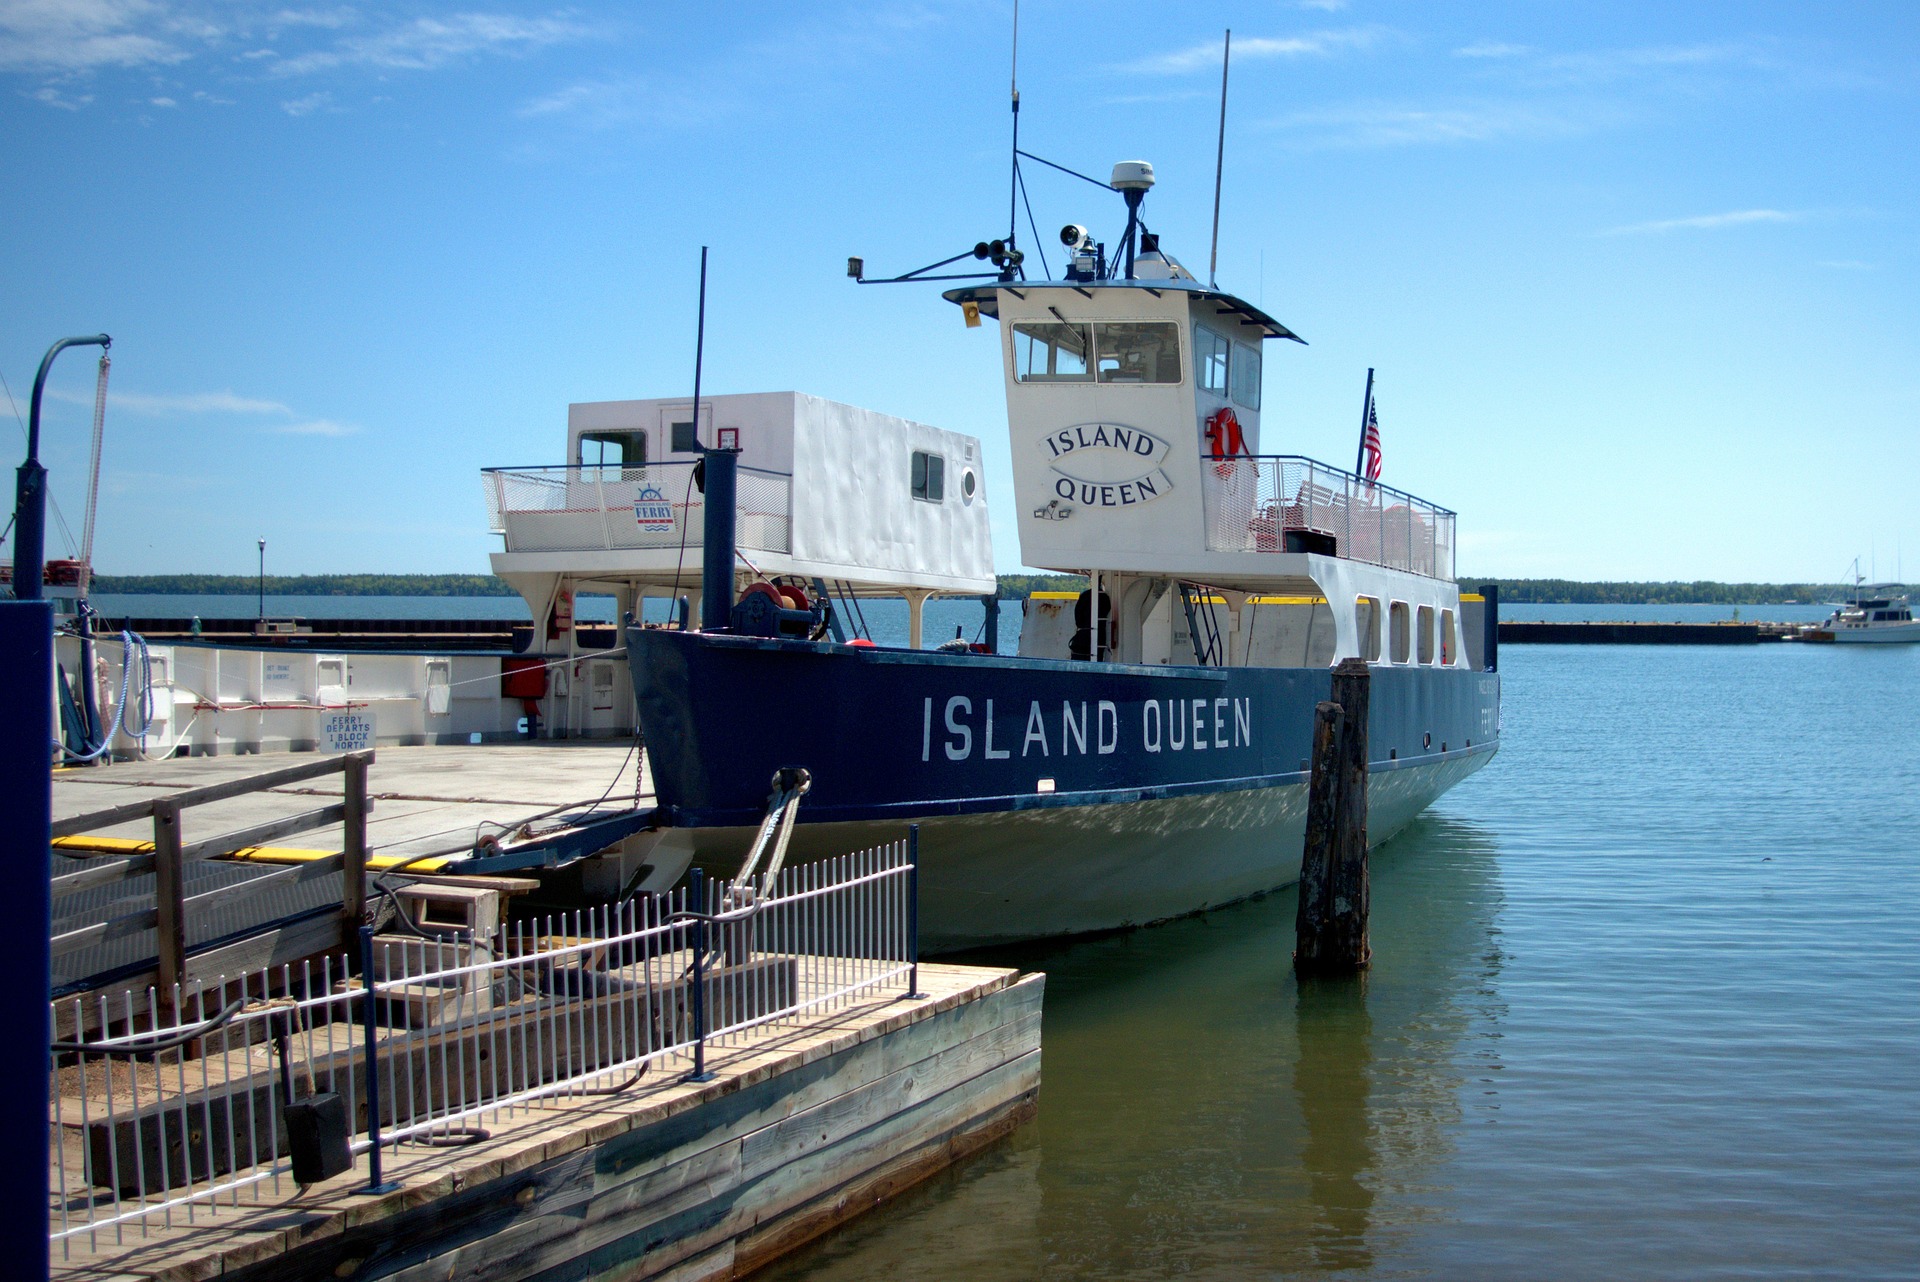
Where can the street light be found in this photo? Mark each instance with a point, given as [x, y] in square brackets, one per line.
[30, 496]
[263, 585]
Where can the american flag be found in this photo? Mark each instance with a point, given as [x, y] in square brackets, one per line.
[1370, 444]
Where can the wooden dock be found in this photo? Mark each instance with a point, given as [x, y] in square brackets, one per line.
[800, 1130]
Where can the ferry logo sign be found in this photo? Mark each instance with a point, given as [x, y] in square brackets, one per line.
[1107, 465]
[651, 510]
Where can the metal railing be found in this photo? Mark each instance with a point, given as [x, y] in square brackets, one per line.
[1253, 502]
[170, 854]
[586, 508]
[440, 1037]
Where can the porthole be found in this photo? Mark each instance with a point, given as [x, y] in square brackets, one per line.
[969, 486]
[1428, 741]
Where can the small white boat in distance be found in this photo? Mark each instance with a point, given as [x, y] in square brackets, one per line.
[1878, 613]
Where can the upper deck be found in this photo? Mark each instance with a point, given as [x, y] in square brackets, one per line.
[826, 490]
[1134, 408]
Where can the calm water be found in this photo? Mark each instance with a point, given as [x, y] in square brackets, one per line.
[1645, 1003]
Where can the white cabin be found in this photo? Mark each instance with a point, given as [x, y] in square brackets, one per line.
[866, 502]
[1134, 412]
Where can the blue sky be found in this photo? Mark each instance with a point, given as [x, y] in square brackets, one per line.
[1639, 279]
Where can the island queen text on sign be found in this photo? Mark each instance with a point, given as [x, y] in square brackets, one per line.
[1107, 464]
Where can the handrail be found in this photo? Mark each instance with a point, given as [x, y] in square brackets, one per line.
[623, 467]
[1355, 477]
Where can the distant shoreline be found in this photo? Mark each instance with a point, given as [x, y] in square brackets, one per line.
[1012, 586]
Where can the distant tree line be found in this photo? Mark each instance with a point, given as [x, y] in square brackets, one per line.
[1698, 592]
[306, 584]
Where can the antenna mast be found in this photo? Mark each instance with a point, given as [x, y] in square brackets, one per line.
[1013, 80]
[1219, 159]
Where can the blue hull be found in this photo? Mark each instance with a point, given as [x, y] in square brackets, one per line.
[900, 734]
[1053, 798]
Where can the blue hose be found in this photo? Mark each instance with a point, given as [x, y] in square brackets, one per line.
[131, 643]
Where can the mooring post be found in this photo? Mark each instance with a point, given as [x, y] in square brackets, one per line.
[1330, 926]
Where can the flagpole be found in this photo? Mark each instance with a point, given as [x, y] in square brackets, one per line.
[1366, 408]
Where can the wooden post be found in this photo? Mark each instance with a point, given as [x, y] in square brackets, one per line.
[1330, 927]
[353, 880]
[170, 927]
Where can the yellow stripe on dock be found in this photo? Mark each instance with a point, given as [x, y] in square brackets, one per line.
[296, 855]
[1053, 596]
[1471, 596]
[84, 845]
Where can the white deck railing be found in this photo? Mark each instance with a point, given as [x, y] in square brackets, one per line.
[586, 508]
[1254, 501]
[168, 1114]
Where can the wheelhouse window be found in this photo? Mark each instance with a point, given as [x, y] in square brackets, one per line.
[929, 477]
[1137, 351]
[1044, 352]
[686, 440]
[612, 449]
[1210, 351]
[1246, 375]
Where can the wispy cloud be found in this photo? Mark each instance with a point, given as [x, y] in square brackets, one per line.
[316, 427]
[307, 104]
[59, 41]
[1707, 222]
[426, 43]
[1317, 44]
[81, 35]
[1492, 49]
[176, 404]
[1363, 125]
[53, 97]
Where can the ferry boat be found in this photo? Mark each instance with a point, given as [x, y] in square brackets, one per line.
[1877, 614]
[1145, 754]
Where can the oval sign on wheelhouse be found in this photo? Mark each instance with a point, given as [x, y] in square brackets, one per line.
[1107, 464]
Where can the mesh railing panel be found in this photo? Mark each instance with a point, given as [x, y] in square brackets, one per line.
[584, 509]
[1253, 502]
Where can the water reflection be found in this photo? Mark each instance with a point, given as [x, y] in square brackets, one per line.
[1202, 1112]
[1331, 1084]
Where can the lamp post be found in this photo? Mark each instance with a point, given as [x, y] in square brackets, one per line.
[263, 586]
[30, 493]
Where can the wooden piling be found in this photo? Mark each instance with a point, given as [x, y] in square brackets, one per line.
[1330, 926]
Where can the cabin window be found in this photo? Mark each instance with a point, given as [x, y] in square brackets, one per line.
[1400, 631]
[612, 449]
[1447, 625]
[1044, 352]
[685, 439]
[1210, 359]
[1137, 351]
[1423, 632]
[1366, 617]
[1246, 375]
[929, 477]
